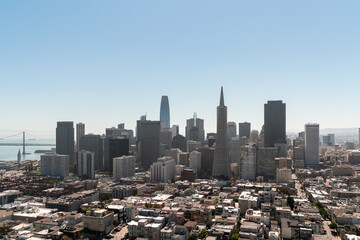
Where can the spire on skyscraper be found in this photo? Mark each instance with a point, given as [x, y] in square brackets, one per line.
[221, 165]
[222, 98]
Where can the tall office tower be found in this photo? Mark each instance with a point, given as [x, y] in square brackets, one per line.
[54, 165]
[114, 147]
[282, 149]
[163, 169]
[329, 140]
[195, 161]
[207, 161]
[231, 130]
[148, 143]
[312, 145]
[299, 157]
[65, 140]
[174, 153]
[164, 113]
[254, 136]
[301, 134]
[265, 162]
[179, 141]
[184, 159]
[86, 164]
[175, 130]
[192, 145]
[244, 129]
[221, 166]
[123, 167]
[234, 150]
[166, 138]
[121, 126]
[211, 141]
[274, 123]
[93, 143]
[80, 131]
[332, 139]
[194, 129]
[247, 166]
[143, 117]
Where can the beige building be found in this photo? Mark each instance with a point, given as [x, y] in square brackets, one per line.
[99, 220]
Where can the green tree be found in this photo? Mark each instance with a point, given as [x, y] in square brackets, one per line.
[203, 234]
[192, 237]
[235, 236]
[333, 225]
[104, 198]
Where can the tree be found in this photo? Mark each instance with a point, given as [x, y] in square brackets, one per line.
[235, 236]
[105, 198]
[192, 237]
[333, 225]
[203, 234]
[290, 202]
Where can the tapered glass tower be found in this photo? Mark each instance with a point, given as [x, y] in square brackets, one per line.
[221, 166]
[164, 112]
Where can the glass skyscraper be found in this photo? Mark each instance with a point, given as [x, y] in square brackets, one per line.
[164, 112]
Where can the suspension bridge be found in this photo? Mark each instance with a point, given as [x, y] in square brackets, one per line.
[23, 143]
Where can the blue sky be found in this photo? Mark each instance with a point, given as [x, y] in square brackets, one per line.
[106, 62]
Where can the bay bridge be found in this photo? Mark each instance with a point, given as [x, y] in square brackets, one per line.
[23, 143]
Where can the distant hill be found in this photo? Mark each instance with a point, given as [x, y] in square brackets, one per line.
[341, 134]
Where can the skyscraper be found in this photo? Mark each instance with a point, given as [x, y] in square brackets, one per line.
[274, 123]
[194, 129]
[231, 130]
[179, 141]
[148, 142]
[114, 147]
[244, 129]
[164, 112]
[312, 145]
[221, 166]
[65, 140]
[80, 131]
[86, 165]
[93, 143]
[123, 167]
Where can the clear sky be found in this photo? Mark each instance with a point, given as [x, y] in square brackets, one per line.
[106, 62]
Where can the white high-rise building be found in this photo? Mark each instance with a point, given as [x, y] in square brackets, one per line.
[312, 145]
[163, 170]
[54, 165]
[86, 164]
[221, 165]
[195, 161]
[174, 153]
[248, 163]
[123, 167]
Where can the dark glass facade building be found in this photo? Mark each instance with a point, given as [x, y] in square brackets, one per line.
[65, 140]
[274, 123]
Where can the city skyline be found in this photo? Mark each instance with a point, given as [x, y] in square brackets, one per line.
[63, 62]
